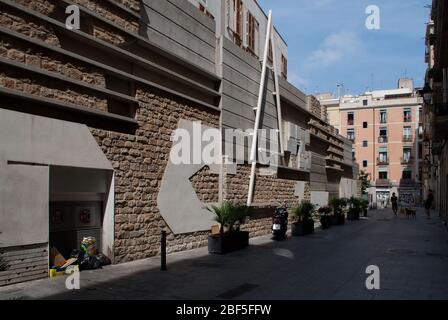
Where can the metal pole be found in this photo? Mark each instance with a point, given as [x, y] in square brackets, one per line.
[253, 154]
[163, 251]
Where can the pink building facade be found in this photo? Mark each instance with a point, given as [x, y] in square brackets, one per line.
[385, 128]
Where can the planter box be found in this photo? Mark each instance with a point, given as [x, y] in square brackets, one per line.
[302, 229]
[325, 222]
[338, 220]
[229, 242]
[352, 215]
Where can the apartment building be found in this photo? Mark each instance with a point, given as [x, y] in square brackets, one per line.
[435, 114]
[88, 119]
[385, 129]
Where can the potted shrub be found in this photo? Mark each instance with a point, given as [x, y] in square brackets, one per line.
[355, 208]
[365, 206]
[338, 205]
[304, 223]
[325, 216]
[230, 216]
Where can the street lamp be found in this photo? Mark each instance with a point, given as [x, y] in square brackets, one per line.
[426, 93]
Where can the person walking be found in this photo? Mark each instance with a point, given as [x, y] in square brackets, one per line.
[394, 201]
[428, 204]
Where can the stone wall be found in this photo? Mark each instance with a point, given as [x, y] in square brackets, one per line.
[206, 185]
[139, 161]
[237, 186]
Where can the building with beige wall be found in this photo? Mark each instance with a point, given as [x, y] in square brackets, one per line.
[384, 126]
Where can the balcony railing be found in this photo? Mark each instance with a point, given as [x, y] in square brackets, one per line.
[407, 138]
[407, 119]
[382, 161]
[382, 182]
[383, 120]
[350, 122]
[407, 182]
[407, 160]
[383, 139]
[441, 109]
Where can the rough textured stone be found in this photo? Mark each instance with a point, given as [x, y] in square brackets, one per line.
[140, 160]
[206, 185]
[28, 26]
[20, 52]
[50, 89]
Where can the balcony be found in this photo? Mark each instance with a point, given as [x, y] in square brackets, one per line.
[350, 122]
[382, 183]
[383, 139]
[383, 120]
[383, 161]
[407, 182]
[407, 160]
[440, 109]
[407, 119]
[440, 121]
[407, 138]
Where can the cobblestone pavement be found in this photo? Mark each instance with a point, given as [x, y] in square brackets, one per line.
[331, 264]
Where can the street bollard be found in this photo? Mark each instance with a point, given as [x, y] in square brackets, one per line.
[163, 251]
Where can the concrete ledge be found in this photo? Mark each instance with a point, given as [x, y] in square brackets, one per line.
[66, 106]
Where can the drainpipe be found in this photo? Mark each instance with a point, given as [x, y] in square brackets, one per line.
[253, 153]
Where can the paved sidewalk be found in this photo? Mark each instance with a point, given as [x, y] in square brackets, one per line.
[412, 257]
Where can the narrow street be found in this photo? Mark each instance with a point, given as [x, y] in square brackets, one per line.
[412, 257]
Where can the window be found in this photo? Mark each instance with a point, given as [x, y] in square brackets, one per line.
[270, 53]
[383, 135]
[351, 135]
[383, 174]
[364, 102]
[365, 125]
[407, 115]
[365, 143]
[252, 34]
[350, 119]
[407, 174]
[238, 21]
[382, 156]
[406, 154]
[407, 134]
[365, 164]
[203, 9]
[284, 67]
[383, 116]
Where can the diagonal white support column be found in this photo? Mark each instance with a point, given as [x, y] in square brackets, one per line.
[277, 94]
[253, 153]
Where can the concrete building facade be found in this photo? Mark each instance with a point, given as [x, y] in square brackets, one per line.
[89, 119]
[385, 129]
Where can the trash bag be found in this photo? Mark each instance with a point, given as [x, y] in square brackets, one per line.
[104, 261]
[85, 261]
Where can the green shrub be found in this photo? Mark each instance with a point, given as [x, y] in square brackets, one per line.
[229, 215]
[356, 204]
[304, 211]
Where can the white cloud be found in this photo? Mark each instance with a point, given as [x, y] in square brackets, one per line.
[335, 47]
[298, 81]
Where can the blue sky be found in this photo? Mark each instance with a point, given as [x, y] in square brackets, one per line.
[329, 43]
